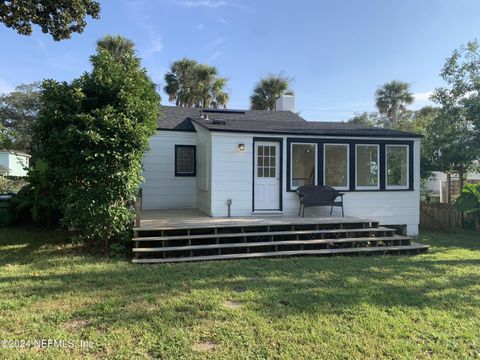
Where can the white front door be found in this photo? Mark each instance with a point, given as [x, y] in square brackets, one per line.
[267, 176]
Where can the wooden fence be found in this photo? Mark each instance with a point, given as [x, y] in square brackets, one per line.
[439, 216]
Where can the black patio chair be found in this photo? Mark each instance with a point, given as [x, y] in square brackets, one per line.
[312, 195]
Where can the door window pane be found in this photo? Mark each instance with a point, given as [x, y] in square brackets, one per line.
[303, 164]
[397, 166]
[336, 165]
[367, 166]
[266, 164]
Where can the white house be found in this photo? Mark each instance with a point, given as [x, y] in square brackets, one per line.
[13, 163]
[255, 160]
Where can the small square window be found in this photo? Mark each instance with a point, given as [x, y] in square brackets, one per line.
[185, 160]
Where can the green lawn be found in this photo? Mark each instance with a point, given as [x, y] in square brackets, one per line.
[344, 307]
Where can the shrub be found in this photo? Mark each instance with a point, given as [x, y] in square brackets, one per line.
[34, 202]
[469, 202]
[93, 133]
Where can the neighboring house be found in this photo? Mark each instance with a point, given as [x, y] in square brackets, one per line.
[255, 160]
[14, 163]
[437, 186]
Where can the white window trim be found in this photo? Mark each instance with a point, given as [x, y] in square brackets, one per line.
[348, 165]
[397, 187]
[362, 187]
[291, 163]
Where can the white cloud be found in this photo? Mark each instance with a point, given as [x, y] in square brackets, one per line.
[216, 42]
[216, 55]
[212, 4]
[5, 86]
[422, 98]
[136, 10]
[203, 3]
[155, 45]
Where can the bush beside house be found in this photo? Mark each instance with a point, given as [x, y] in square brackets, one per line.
[93, 133]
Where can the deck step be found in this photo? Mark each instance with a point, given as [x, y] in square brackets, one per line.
[267, 233]
[270, 243]
[250, 221]
[414, 247]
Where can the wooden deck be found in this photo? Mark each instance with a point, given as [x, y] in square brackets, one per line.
[193, 218]
[188, 235]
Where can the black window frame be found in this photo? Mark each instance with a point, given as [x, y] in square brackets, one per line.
[194, 147]
[353, 161]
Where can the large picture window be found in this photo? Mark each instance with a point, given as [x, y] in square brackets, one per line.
[303, 164]
[367, 170]
[336, 163]
[397, 167]
[351, 164]
[185, 160]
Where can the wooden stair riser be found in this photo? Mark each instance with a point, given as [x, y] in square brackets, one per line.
[410, 249]
[332, 233]
[145, 232]
[379, 241]
[215, 242]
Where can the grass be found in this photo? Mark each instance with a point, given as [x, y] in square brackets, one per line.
[425, 306]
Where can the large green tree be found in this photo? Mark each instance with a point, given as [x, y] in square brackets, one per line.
[59, 18]
[116, 45]
[18, 114]
[190, 84]
[268, 90]
[368, 119]
[453, 137]
[93, 133]
[392, 99]
[418, 121]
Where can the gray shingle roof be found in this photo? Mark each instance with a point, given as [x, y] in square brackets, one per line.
[261, 121]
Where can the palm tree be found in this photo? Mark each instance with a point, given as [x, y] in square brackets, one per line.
[180, 82]
[192, 84]
[392, 99]
[268, 90]
[210, 87]
[117, 45]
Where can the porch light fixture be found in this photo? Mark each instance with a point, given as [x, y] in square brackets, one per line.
[241, 147]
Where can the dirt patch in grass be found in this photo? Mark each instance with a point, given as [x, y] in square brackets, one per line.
[232, 304]
[204, 346]
[76, 324]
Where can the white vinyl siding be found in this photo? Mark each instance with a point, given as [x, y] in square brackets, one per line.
[227, 174]
[160, 188]
[204, 170]
[232, 179]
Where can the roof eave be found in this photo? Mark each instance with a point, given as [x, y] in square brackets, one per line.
[280, 132]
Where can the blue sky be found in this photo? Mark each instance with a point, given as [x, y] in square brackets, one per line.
[337, 51]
